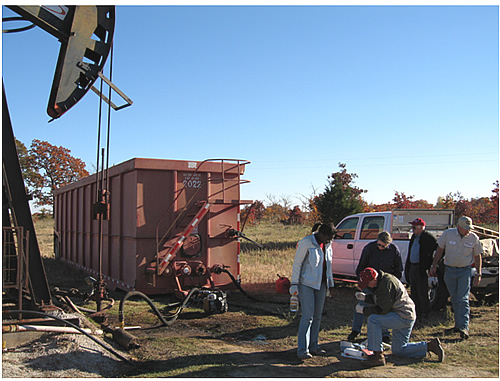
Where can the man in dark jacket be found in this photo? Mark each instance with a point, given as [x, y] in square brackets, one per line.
[383, 255]
[418, 263]
[390, 307]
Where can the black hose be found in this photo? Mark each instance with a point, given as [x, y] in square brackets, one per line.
[104, 345]
[165, 322]
[237, 284]
[241, 289]
[93, 313]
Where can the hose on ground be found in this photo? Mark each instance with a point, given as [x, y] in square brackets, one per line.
[102, 344]
[241, 289]
[93, 313]
[237, 284]
[164, 321]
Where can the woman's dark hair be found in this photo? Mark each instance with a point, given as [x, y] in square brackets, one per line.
[315, 227]
[325, 228]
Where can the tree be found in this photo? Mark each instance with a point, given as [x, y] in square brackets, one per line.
[295, 217]
[48, 167]
[402, 201]
[340, 197]
[494, 198]
[23, 155]
[253, 214]
[449, 201]
[277, 210]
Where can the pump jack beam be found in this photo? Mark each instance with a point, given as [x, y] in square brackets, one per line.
[86, 36]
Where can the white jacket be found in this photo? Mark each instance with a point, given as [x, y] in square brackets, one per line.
[308, 264]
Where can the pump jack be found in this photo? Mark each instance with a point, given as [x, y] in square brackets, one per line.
[86, 36]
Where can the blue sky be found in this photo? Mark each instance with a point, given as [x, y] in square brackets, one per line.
[406, 96]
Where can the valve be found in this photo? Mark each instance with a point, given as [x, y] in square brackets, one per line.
[230, 232]
[186, 270]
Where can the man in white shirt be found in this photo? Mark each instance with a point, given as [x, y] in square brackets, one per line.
[462, 250]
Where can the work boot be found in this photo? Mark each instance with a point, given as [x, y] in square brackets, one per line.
[464, 334]
[376, 359]
[305, 356]
[352, 336]
[434, 346]
[318, 352]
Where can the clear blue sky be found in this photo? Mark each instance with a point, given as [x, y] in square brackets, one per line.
[406, 96]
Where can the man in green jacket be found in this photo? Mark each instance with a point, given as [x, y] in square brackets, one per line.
[391, 308]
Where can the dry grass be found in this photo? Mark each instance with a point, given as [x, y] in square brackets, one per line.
[44, 228]
[260, 266]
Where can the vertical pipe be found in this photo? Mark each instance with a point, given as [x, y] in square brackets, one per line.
[238, 247]
[99, 256]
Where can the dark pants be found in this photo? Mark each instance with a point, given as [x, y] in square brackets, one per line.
[419, 287]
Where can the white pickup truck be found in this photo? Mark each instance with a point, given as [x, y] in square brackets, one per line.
[355, 231]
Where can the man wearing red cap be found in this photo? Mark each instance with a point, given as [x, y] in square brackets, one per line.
[418, 262]
[384, 255]
[392, 308]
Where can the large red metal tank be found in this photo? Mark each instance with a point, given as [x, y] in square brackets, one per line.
[158, 238]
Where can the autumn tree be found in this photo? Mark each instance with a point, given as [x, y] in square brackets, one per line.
[340, 198]
[449, 201]
[378, 207]
[295, 217]
[46, 167]
[23, 155]
[277, 210]
[402, 201]
[253, 214]
[313, 214]
[482, 210]
[494, 198]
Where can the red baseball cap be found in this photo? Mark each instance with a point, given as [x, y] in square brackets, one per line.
[418, 221]
[366, 276]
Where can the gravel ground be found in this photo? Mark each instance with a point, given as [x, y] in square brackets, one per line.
[56, 355]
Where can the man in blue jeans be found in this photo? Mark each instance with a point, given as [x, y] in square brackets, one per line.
[391, 308]
[462, 250]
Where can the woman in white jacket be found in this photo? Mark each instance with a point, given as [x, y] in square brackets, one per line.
[311, 277]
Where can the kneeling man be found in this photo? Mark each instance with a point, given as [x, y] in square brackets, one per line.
[391, 308]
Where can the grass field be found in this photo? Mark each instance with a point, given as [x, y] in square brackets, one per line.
[257, 338]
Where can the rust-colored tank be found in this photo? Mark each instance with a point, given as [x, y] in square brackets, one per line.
[170, 225]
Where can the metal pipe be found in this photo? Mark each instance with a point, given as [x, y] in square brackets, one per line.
[104, 345]
[46, 328]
